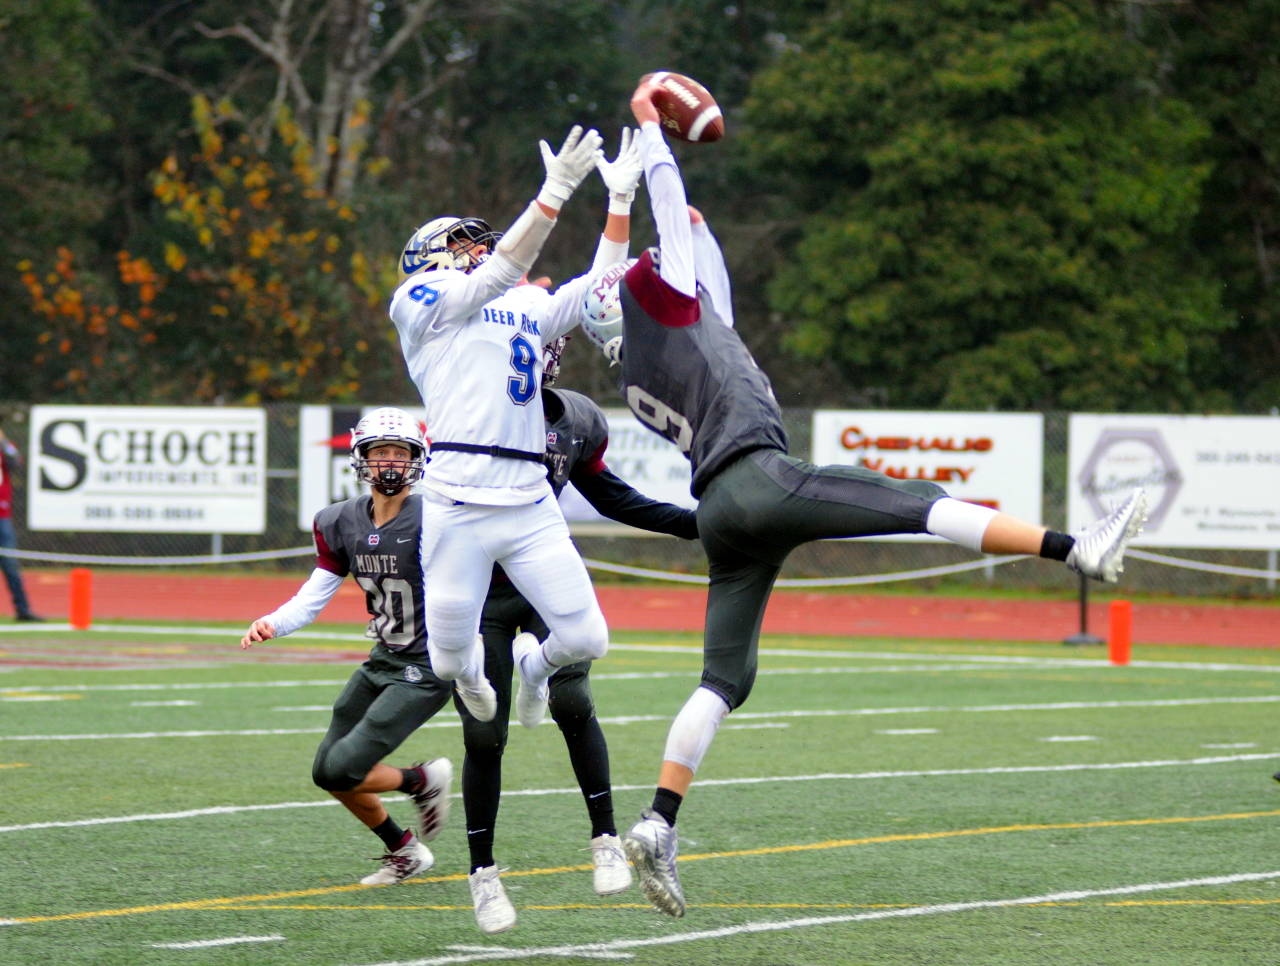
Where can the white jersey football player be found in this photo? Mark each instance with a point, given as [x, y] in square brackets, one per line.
[472, 336]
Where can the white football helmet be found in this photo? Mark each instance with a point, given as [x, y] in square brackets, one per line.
[602, 310]
[388, 425]
[447, 242]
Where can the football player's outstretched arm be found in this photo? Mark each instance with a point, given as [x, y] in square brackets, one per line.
[298, 611]
[666, 196]
[566, 168]
[621, 176]
[709, 266]
[618, 500]
[437, 301]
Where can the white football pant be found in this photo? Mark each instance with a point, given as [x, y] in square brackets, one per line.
[461, 543]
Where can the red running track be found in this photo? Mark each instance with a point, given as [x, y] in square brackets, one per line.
[138, 596]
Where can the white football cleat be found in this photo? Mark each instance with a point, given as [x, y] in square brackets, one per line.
[611, 873]
[432, 799]
[478, 697]
[405, 862]
[494, 911]
[1099, 548]
[651, 845]
[531, 699]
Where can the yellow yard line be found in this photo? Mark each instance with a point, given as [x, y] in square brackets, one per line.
[225, 901]
[794, 906]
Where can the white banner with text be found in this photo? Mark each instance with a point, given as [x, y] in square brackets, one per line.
[995, 459]
[147, 469]
[1212, 481]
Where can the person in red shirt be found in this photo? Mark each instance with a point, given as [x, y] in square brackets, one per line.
[10, 463]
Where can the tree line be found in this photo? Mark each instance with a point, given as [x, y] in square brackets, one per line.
[1010, 204]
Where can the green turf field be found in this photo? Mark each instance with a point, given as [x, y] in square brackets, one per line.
[873, 803]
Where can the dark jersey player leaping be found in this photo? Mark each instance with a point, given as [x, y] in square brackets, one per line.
[686, 374]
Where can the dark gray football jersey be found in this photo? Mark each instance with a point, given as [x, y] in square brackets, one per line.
[688, 377]
[385, 562]
[577, 438]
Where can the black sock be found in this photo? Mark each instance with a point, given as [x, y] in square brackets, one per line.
[411, 779]
[600, 811]
[480, 845]
[666, 803]
[1056, 546]
[392, 835]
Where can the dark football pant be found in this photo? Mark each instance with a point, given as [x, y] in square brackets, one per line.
[386, 700]
[756, 511]
[505, 614]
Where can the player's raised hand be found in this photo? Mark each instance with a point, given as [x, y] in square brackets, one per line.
[567, 167]
[642, 106]
[259, 631]
[622, 174]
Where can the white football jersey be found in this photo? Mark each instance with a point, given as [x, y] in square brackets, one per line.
[473, 344]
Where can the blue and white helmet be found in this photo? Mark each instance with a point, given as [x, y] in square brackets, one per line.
[380, 427]
[602, 310]
[446, 242]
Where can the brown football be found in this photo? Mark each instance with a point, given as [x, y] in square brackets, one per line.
[686, 109]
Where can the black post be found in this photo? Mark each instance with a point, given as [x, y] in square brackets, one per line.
[1083, 637]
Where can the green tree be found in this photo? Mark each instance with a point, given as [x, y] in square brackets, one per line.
[47, 115]
[1221, 58]
[998, 209]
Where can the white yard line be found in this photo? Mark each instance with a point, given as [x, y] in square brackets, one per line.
[194, 686]
[228, 941]
[808, 922]
[738, 716]
[767, 779]
[354, 638]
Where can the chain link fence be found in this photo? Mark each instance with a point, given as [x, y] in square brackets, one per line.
[1177, 573]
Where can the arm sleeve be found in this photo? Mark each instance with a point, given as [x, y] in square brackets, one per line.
[712, 274]
[608, 253]
[430, 302]
[620, 501]
[670, 210]
[304, 606]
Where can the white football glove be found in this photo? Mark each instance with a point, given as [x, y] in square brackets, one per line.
[622, 174]
[565, 170]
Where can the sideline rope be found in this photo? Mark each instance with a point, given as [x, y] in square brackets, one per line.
[626, 571]
[221, 558]
[1212, 568]
[811, 581]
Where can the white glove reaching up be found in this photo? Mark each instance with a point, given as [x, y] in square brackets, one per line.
[622, 174]
[565, 170]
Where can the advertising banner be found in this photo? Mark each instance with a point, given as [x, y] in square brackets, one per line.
[1212, 481]
[147, 469]
[994, 459]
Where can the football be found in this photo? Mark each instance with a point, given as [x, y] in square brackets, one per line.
[686, 108]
